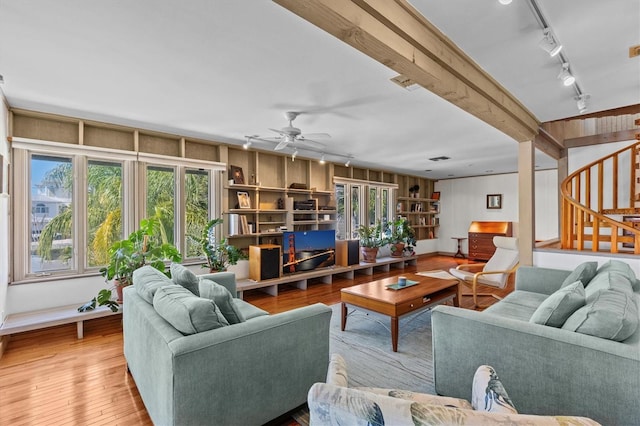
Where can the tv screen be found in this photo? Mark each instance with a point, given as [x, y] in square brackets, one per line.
[308, 250]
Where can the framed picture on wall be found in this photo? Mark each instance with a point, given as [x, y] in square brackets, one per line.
[237, 175]
[494, 201]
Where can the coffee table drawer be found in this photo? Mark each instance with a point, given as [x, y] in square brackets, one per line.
[419, 302]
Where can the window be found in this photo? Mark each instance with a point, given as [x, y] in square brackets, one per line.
[197, 185]
[104, 209]
[74, 202]
[50, 238]
[368, 200]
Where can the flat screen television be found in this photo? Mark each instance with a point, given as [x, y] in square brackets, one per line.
[308, 250]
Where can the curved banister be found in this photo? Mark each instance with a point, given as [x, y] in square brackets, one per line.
[577, 211]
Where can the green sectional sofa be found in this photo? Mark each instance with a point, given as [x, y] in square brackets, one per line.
[247, 369]
[559, 368]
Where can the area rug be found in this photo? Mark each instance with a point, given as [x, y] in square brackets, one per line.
[366, 347]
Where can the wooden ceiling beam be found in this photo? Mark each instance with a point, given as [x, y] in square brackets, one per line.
[620, 136]
[398, 36]
[545, 142]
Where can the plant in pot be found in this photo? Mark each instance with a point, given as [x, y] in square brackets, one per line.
[371, 239]
[125, 256]
[400, 236]
[219, 255]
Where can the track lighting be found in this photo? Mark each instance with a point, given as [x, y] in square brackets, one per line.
[294, 155]
[505, 2]
[347, 163]
[322, 159]
[567, 78]
[549, 43]
[248, 143]
[581, 101]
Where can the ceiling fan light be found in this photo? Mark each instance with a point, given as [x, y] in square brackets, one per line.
[565, 75]
[549, 44]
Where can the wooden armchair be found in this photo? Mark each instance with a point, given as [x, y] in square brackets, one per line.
[494, 273]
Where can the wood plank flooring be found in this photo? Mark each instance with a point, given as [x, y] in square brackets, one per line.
[48, 377]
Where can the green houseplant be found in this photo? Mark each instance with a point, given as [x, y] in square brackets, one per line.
[219, 255]
[400, 236]
[371, 239]
[125, 256]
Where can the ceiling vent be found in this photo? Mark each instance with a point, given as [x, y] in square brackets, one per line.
[634, 51]
[440, 158]
[405, 82]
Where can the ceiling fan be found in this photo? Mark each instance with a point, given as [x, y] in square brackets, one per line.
[291, 135]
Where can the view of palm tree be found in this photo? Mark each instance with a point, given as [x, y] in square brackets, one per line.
[52, 209]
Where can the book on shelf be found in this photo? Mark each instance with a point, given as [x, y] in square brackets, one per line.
[244, 225]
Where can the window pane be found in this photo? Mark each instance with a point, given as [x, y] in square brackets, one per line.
[355, 211]
[104, 209]
[373, 217]
[51, 214]
[385, 206]
[341, 223]
[160, 200]
[196, 209]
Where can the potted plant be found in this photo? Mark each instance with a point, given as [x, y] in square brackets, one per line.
[400, 236]
[371, 239]
[219, 255]
[125, 256]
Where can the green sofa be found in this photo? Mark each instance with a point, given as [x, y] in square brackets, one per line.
[245, 373]
[548, 370]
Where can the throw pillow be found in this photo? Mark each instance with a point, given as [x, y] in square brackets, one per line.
[559, 306]
[186, 312]
[222, 298]
[583, 272]
[611, 315]
[184, 277]
[488, 393]
[147, 280]
[623, 268]
[612, 280]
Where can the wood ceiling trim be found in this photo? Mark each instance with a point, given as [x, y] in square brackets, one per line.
[619, 136]
[396, 35]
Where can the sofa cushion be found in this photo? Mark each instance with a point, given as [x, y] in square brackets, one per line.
[623, 268]
[222, 298]
[583, 272]
[529, 299]
[611, 315]
[488, 393]
[184, 277]
[247, 310]
[147, 280]
[609, 280]
[510, 310]
[187, 313]
[556, 308]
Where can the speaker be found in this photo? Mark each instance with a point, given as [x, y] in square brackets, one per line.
[264, 262]
[347, 252]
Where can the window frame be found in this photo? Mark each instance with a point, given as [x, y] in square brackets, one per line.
[133, 202]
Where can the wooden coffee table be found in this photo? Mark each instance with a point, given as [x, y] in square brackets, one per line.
[376, 297]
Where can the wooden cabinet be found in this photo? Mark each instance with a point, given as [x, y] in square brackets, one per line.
[481, 238]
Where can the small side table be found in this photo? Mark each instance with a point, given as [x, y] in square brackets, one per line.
[459, 252]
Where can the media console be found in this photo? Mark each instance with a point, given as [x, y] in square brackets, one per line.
[300, 279]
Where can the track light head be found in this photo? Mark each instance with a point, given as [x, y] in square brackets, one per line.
[549, 43]
[581, 101]
[248, 143]
[565, 75]
[347, 163]
[322, 161]
[294, 155]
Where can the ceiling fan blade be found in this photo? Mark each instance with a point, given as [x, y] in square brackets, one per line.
[283, 143]
[277, 131]
[314, 136]
[311, 142]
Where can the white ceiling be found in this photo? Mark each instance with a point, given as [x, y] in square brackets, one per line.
[224, 69]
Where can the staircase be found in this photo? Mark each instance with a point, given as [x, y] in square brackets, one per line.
[596, 200]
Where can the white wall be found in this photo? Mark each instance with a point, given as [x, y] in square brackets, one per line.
[464, 200]
[4, 210]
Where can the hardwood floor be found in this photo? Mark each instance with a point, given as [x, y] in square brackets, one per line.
[48, 377]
